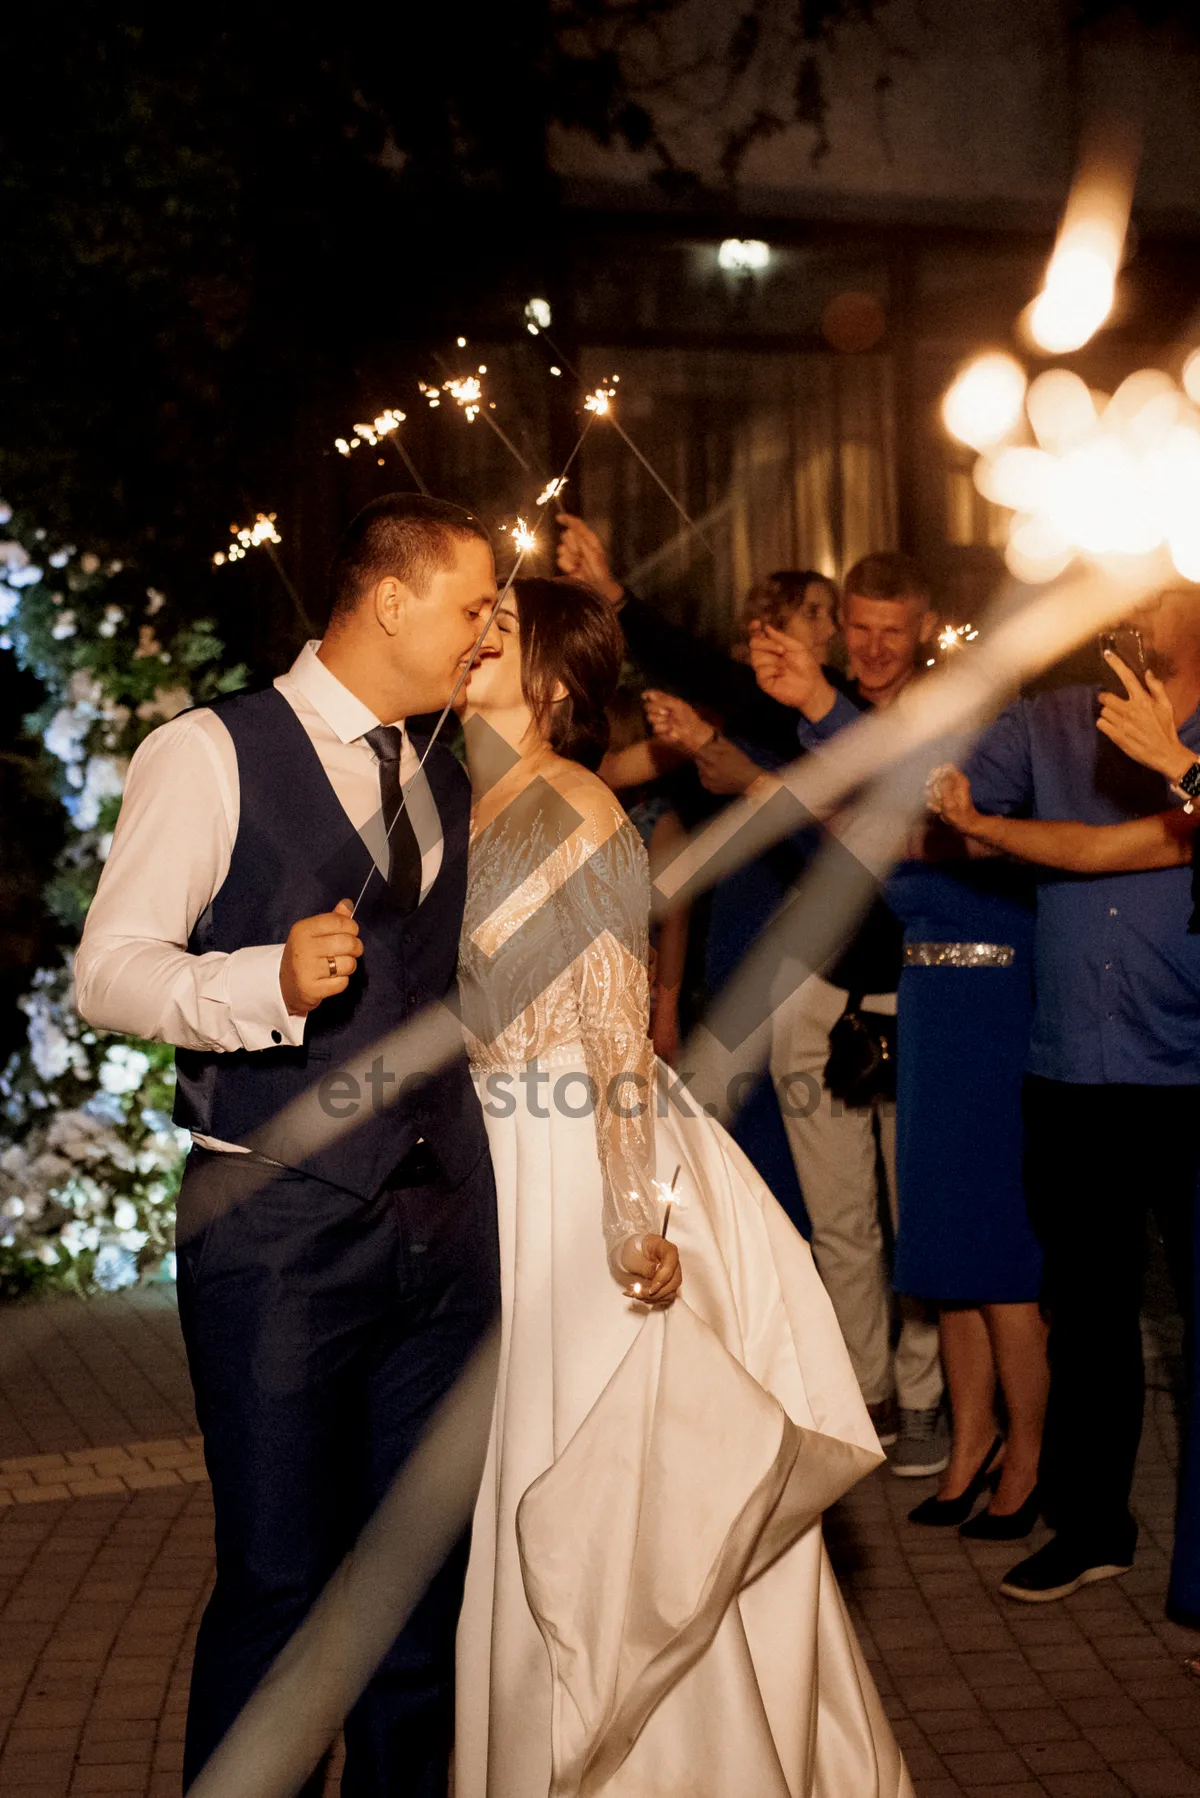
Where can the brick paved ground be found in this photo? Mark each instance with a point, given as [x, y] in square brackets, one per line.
[100, 1594]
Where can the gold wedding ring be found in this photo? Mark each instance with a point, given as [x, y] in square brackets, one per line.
[332, 966]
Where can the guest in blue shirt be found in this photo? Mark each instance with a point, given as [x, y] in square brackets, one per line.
[1112, 1091]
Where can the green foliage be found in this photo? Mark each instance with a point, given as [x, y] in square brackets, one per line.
[89, 1158]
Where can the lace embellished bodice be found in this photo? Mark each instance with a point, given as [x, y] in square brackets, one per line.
[553, 966]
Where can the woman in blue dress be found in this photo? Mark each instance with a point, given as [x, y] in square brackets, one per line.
[964, 1008]
[1143, 725]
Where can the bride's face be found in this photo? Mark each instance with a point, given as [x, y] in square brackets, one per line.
[494, 683]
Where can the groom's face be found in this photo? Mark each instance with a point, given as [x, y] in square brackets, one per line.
[440, 626]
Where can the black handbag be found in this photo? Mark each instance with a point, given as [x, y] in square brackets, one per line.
[862, 1055]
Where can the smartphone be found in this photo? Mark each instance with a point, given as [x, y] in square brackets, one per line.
[1125, 643]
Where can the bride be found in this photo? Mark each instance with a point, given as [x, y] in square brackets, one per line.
[649, 1610]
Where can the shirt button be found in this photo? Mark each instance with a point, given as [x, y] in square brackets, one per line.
[1108, 964]
[1112, 911]
[276, 1037]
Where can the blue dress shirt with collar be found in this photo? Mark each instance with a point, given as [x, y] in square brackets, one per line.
[1117, 973]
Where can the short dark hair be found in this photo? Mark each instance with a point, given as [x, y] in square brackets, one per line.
[569, 633]
[888, 574]
[406, 535]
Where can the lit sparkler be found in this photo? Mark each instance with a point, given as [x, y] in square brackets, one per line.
[955, 636]
[600, 404]
[601, 398]
[551, 490]
[247, 537]
[952, 638]
[262, 535]
[383, 428]
[524, 539]
[467, 393]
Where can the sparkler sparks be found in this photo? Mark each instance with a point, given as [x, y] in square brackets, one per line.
[601, 398]
[262, 535]
[373, 433]
[524, 539]
[247, 537]
[551, 490]
[465, 390]
[951, 638]
[384, 427]
[955, 636]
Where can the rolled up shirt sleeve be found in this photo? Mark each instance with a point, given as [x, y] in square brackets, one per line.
[170, 854]
[1000, 767]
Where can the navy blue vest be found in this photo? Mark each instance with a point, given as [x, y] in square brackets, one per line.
[297, 854]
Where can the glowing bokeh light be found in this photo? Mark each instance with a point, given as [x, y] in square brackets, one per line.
[1061, 409]
[741, 253]
[1076, 300]
[983, 404]
[1114, 479]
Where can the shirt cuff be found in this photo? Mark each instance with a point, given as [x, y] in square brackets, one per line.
[840, 714]
[256, 1005]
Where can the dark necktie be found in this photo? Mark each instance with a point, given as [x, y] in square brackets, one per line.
[404, 859]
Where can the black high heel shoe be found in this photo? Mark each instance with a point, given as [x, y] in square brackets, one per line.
[987, 1527]
[950, 1513]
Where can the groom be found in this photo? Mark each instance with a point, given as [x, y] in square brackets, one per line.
[331, 1293]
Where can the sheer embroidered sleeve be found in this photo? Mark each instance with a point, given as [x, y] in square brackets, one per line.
[603, 910]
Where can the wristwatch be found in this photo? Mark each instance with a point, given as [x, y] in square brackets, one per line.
[1188, 786]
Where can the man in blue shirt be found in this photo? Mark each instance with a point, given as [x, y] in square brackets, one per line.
[1112, 1096]
[887, 620]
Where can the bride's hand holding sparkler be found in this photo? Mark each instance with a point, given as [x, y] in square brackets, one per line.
[653, 1264]
[787, 670]
[1143, 725]
[583, 557]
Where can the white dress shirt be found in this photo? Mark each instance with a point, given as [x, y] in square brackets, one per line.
[171, 852]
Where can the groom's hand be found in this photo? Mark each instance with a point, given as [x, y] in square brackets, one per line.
[319, 957]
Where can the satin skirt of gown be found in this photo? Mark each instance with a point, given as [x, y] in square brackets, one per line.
[779, 1702]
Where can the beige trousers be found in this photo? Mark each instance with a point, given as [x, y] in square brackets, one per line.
[833, 1148]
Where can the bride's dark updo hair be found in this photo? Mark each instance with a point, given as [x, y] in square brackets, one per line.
[569, 633]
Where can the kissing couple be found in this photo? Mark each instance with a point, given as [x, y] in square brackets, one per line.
[643, 1604]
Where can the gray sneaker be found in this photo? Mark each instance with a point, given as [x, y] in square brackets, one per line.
[885, 1420]
[923, 1446]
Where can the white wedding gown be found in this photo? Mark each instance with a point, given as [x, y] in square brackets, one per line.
[649, 1609]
